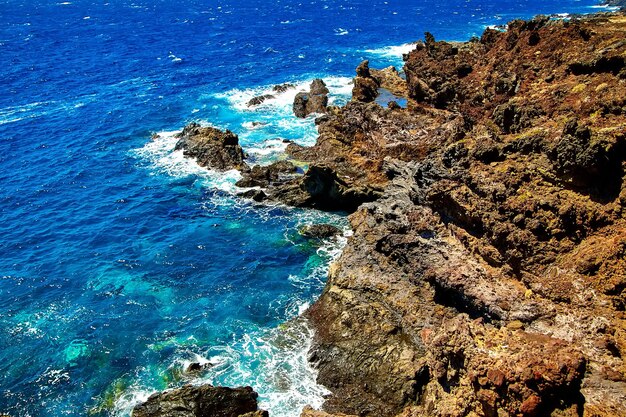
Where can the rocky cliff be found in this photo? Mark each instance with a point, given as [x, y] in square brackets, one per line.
[487, 274]
[488, 280]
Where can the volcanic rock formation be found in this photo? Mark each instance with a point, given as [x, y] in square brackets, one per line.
[486, 272]
[202, 401]
[211, 147]
[315, 101]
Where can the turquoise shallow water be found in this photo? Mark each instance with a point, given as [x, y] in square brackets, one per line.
[120, 261]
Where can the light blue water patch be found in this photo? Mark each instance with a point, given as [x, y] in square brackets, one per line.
[121, 262]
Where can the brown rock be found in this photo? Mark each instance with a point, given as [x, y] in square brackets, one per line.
[365, 86]
[201, 401]
[315, 101]
[211, 148]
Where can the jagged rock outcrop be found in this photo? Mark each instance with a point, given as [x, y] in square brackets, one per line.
[255, 101]
[201, 401]
[315, 101]
[281, 88]
[488, 277]
[389, 78]
[264, 176]
[211, 147]
[365, 86]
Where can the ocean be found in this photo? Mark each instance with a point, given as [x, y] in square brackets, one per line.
[121, 262]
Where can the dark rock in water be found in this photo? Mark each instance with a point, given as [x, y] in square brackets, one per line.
[281, 88]
[315, 101]
[319, 231]
[365, 86]
[299, 104]
[202, 401]
[197, 367]
[393, 105]
[256, 195]
[255, 101]
[263, 176]
[211, 147]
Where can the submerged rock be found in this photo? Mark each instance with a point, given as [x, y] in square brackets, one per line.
[197, 367]
[211, 147]
[201, 401]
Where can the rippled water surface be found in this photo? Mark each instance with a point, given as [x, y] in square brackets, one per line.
[120, 261]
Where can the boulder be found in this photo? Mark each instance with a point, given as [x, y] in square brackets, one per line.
[263, 176]
[197, 367]
[319, 231]
[254, 194]
[318, 87]
[365, 86]
[201, 401]
[315, 101]
[211, 147]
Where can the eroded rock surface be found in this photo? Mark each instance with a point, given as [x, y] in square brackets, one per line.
[488, 277]
[485, 276]
[211, 147]
[201, 401]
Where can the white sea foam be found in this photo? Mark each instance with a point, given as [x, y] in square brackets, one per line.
[35, 110]
[394, 51]
[161, 154]
[274, 363]
[270, 147]
[283, 102]
[605, 6]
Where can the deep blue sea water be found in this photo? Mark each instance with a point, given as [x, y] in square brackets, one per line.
[120, 261]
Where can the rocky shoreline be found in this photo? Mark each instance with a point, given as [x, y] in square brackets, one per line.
[486, 273]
